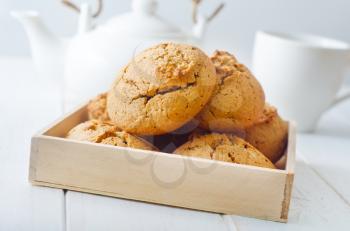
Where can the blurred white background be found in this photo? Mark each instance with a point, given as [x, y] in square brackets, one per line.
[233, 29]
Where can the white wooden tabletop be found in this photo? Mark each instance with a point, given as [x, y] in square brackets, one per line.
[320, 199]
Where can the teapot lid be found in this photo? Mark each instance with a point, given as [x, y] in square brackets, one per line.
[143, 21]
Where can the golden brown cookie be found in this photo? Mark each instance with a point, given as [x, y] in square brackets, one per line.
[97, 108]
[123, 139]
[92, 130]
[106, 133]
[161, 89]
[269, 135]
[238, 101]
[224, 147]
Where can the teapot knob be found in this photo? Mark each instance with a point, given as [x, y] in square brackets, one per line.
[148, 7]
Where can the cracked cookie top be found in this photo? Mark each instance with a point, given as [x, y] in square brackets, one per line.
[161, 89]
[237, 102]
[224, 147]
[106, 133]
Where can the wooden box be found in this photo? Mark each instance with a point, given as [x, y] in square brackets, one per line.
[158, 177]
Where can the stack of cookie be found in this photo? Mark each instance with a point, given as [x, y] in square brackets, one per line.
[174, 98]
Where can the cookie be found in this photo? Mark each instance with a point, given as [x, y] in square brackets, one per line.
[224, 147]
[161, 89]
[97, 108]
[269, 135]
[123, 139]
[237, 102]
[106, 133]
[92, 130]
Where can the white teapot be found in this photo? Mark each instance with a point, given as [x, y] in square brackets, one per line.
[91, 59]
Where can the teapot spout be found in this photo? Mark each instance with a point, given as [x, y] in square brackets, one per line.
[47, 50]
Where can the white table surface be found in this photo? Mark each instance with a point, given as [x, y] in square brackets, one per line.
[320, 199]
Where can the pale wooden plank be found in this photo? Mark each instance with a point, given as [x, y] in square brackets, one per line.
[314, 206]
[91, 212]
[28, 102]
[24, 207]
[330, 158]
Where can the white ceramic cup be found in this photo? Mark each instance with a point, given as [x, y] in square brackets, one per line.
[301, 74]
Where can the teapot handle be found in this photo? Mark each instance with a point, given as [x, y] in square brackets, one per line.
[77, 9]
[341, 98]
[201, 21]
[195, 5]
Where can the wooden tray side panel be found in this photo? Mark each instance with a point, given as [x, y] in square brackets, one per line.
[287, 196]
[290, 163]
[62, 126]
[160, 178]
